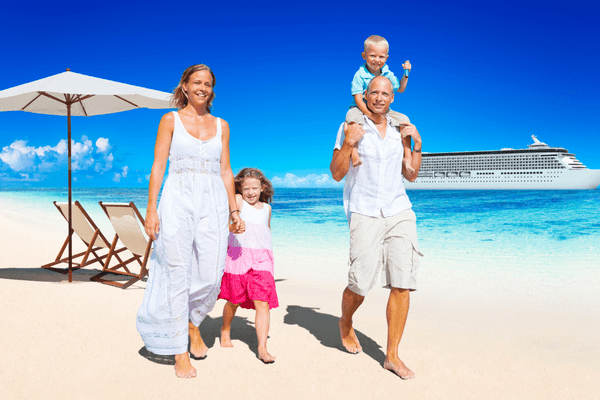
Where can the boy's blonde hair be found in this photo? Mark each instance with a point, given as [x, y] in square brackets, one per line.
[375, 39]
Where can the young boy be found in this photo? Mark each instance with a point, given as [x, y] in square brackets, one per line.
[375, 54]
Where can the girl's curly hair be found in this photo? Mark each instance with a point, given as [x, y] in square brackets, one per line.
[266, 196]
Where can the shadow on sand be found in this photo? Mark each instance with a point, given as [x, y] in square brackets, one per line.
[241, 329]
[326, 329]
[44, 275]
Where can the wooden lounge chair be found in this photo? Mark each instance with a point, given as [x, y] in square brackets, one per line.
[88, 232]
[124, 218]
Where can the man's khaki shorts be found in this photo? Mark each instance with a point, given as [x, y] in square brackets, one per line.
[377, 242]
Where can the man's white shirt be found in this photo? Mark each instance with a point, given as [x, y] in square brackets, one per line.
[375, 188]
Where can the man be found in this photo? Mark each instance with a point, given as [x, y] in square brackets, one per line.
[382, 224]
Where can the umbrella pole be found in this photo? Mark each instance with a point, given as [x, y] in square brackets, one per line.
[70, 216]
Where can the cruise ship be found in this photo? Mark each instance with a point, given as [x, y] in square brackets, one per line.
[537, 167]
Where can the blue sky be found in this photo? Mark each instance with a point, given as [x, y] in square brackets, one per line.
[485, 76]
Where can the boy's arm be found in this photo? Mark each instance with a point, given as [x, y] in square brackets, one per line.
[403, 83]
[362, 106]
[404, 79]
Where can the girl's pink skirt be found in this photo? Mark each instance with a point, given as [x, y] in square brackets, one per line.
[245, 288]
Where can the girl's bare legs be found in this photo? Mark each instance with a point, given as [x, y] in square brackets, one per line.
[262, 330]
[228, 313]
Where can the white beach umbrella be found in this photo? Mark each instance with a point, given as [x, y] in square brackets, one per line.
[74, 94]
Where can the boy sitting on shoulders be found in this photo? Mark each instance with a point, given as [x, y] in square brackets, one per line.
[375, 54]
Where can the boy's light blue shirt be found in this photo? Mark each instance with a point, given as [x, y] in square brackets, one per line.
[363, 76]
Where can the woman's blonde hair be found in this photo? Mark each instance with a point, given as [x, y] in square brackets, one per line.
[179, 97]
[266, 196]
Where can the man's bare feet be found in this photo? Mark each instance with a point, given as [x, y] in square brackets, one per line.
[264, 356]
[349, 339]
[226, 338]
[198, 349]
[397, 366]
[183, 366]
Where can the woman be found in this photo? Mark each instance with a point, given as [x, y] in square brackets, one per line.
[190, 226]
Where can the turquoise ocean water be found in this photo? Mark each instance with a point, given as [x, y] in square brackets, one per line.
[534, 244]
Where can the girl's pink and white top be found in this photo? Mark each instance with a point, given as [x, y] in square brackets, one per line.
[249, 269]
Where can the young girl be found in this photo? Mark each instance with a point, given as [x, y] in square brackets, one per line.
[248, 280]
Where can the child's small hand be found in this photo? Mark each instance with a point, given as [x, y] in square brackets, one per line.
[406, 65]
[241, 229]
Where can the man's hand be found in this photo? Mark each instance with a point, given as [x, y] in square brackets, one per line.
[409, 129]
[406, 65]
[353, 133]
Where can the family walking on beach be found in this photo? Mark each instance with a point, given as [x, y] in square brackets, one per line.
[212, 231]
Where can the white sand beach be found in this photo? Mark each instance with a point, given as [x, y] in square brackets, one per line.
[78, 340]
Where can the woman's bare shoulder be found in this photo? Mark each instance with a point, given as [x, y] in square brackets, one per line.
[224, 124]
[168, 119]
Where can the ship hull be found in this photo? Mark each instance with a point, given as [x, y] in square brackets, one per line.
[495, 180]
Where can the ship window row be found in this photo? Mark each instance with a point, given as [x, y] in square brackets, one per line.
[546, 162]
[484, 167]
[494, 161]
[494, 157]
[521, 173]
[490, 181]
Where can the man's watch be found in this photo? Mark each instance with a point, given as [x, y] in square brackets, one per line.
[416, 151]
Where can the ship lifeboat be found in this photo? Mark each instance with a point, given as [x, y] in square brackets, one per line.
[452, 174]
[439, 175]
[465, 174]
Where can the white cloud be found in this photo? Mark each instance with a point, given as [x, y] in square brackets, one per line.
[141, 179]
[105, 159]
[311, 180]
[123, 174]
[34, 163]
[81, 154]
[102, 145]
[21, 157]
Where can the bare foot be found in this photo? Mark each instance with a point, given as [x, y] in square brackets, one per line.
[183, 366]
[264, 356]
[398, 367]
[226, 338]
[198, 349]
[349, 339]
